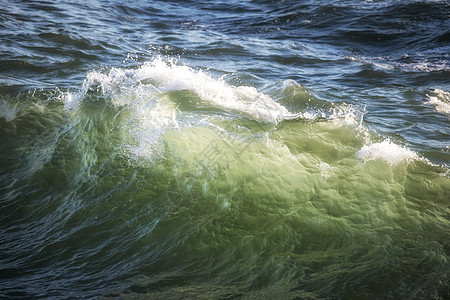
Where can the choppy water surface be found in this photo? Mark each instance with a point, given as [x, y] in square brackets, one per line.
[225, 149]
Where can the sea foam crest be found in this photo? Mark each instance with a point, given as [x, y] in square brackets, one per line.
[163, 76]
[440, 100]
[388, 151]
[167, 76]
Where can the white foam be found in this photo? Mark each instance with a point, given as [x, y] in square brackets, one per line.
[164, 76]
[168, 76]
[388, 151]
[440, 100]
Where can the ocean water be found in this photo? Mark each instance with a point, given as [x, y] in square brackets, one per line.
[225, 149]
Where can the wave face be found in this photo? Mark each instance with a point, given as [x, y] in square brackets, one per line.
[254, 150]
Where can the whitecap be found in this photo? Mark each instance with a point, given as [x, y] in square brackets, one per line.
[440, 100]
[167, 76]
[388, 151]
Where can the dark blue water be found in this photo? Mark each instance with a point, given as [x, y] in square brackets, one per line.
[225, 149]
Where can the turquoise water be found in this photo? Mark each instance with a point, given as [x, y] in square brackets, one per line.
[224, 150]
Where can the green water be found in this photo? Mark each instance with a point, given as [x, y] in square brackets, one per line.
[219, 204]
